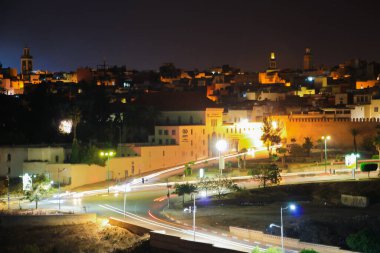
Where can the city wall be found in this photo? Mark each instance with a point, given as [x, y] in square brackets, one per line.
[339, 129]
[255, 235]
[46, 220]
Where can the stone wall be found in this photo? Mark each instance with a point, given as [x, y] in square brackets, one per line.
[339, 129]
[255, 235]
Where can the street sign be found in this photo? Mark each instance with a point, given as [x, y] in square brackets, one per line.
[26, 182]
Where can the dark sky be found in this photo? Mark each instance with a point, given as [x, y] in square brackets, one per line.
[142, 34]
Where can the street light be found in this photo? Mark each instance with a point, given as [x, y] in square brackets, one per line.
[108, 155]
[59, 189]
[325, 138]
[292, 207]
[194, 195]
[356, 165]
[221, 146]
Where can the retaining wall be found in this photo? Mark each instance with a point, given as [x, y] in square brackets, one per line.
[46, 220]
[255, 235]
[131, 227]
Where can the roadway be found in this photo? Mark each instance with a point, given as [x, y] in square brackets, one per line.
[144, 203]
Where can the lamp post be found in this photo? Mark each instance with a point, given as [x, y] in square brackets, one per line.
[356, 165]
[108, 155]
[292, 207]
[325, 138]
[125, 197]
[59, 189]
[168, 194]
[194, 195]
[221, 146]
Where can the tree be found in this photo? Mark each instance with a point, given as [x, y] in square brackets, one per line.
[183, 189]
[365, 240]
[188, 170]
[222, 185]
[354, 133]
[267, 173]
[308, 251]
[307, 145]
[297, 150]
[376, 141]
[40, 188]
[282, 151]
[75, 115]
[368, 167]
[205, 184]
[271, 133]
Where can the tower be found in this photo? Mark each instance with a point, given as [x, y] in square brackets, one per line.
[272, 61]
[307, 63]
[26, 61]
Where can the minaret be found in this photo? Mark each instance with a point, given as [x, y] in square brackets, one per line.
[26, 61]
[307, 63]
[272, 61]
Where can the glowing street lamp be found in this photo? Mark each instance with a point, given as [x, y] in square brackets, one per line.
[326, 138]
[108, 155]
[221, 146]
[292, 207]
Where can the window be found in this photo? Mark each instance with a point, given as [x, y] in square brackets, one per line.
[173, 132]
[160, 132]
[56, 158]
[133, 168]
[166, 132]
[167, 141]
[191, 131]
[160, 142]
[376, 109]
[9, 158]
[163, 153]
[172, 141]
[167, 120]
[191, 120]
[204, 131]
[226, 130]
[9, 170]
[214, 122]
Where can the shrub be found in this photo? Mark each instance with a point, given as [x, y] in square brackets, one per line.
[308, 251]
[368, 167]
[364, 241]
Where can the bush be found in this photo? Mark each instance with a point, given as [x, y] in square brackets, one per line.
[308, 251]
[366, 167]
[364, 241]
[375, 157]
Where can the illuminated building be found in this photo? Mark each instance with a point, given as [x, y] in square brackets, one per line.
[272, 61]
[307, 60]
[26, 61]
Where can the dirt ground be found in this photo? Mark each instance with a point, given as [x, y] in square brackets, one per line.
[319, 218]
[90, 237]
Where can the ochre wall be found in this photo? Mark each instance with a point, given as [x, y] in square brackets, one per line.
[340, 131]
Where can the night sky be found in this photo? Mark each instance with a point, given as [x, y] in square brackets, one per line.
[142, 34]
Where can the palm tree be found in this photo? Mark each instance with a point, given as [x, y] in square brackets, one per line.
[307, 145]
[75, 115]
[354, 133]
[376, 143]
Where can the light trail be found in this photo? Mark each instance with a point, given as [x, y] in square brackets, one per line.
[183, 231]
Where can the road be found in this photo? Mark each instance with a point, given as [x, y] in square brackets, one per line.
[144, 203]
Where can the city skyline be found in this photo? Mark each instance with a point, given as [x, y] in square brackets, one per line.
[143, 35]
